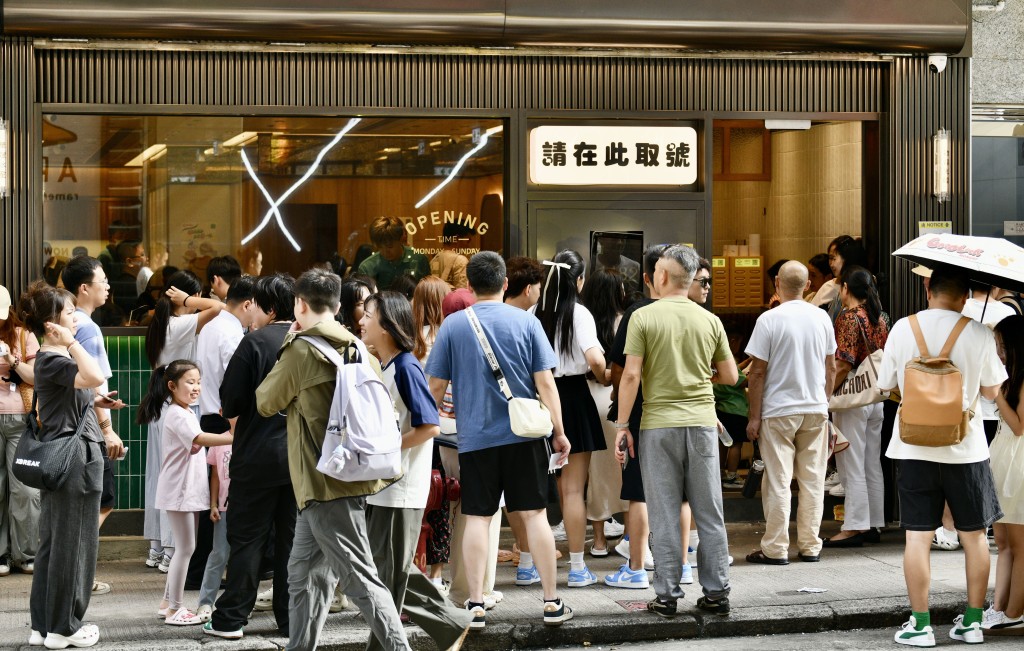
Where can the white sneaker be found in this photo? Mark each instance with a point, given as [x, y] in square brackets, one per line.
[5, 567]
[265, 601]
[839, 491]
[1005, 626]
[909, 635]
[559, 532]
[35, 639]
[991, 616]
[622, 548]
[832, 479]
[165, 564]
[205, 613]
[970, 634]
[338, 603]
[154, 558]
[612, 528]
[490, 600]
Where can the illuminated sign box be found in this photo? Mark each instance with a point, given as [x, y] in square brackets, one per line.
[613, 155]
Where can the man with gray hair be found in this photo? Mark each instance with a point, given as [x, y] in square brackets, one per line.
[678, 348]
[792, 370]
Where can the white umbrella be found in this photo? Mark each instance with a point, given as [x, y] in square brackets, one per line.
[992, 261]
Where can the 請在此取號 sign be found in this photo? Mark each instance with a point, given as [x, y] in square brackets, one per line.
[613, 155]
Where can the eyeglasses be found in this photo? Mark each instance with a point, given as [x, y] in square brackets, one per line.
[105, 281]
[705, 282]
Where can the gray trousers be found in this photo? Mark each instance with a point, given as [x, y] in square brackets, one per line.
[331, 548]
[19, 504]
[394, 534]
[681, 464]
[69, 535]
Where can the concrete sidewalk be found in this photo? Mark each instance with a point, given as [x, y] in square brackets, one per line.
[864, 589]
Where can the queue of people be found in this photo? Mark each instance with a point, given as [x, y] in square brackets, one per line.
[639, 390]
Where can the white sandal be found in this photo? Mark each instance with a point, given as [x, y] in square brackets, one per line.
[183, 617]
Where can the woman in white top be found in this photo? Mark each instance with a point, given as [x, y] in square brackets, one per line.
[573, 334]
[171, 335]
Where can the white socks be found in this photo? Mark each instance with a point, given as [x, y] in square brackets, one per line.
[525, 560]
[576, 561]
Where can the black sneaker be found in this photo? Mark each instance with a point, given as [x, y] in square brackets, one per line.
[715, 606]
[663, 608]
[479, 617]
[556, 612]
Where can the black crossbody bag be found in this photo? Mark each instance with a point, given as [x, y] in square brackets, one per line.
[46, 465]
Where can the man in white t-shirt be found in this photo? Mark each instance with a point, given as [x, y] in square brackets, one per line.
[790, 378]
[958, 474]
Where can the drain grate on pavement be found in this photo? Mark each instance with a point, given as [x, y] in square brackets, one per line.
[632, 606]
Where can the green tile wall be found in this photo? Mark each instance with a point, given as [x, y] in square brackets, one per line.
[131, 377]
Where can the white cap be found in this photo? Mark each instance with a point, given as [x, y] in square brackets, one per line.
[922, 271]
[5, 303]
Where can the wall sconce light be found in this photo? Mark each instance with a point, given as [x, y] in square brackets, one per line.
[4, 181]
[940, 165]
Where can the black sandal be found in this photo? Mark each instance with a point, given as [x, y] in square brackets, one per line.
[760, 558]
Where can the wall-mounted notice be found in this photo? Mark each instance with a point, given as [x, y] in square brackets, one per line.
[613, 155]
[934, 228]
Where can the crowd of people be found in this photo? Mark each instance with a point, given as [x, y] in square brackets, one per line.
[648, 410]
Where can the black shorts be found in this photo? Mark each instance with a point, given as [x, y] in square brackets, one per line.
[520, 470]
[632, 478]
[925, 487]
[108, 498]
[735, 425]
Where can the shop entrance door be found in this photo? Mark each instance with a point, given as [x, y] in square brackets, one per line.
[556, 225]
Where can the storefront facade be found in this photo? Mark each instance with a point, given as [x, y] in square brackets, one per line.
[895, 102]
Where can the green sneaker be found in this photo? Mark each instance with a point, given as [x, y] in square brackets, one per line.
[971, 633]
[909, 635]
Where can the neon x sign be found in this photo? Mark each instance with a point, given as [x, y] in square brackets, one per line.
[274, 211]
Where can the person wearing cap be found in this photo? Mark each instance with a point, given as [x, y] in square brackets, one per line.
[19, 504]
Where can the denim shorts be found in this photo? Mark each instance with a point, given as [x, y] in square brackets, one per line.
[926, 486]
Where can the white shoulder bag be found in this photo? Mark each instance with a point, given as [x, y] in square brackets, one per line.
[530, 418]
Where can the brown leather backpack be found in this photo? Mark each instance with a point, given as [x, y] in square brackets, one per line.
[931, 412]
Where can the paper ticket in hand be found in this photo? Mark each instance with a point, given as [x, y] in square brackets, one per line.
[554, 463]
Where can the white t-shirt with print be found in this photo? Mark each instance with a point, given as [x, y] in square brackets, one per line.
[574, 361]
[974, 354]
[794, 338]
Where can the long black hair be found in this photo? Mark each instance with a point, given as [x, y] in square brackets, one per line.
[1011, 331]
[558, 298]
[861, 284]
[604, 295]
[394, 313]
[156, 336]
[351, 294]
[158, 393]
[851, 251]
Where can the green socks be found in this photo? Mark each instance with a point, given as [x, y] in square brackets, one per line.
[925, 619]
[973, 615]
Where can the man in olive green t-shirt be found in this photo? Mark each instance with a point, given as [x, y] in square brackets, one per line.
[673, 344]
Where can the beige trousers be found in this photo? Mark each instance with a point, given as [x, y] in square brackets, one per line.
[793, 447]
[459, 591]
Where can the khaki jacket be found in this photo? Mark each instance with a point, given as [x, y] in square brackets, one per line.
[302, 382]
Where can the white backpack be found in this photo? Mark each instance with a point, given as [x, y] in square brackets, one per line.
[363, 441]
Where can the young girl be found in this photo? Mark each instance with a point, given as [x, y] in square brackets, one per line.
[571, 329]
[182, 491]
[1007, 453]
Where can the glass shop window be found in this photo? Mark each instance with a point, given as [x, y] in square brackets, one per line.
[158, 193]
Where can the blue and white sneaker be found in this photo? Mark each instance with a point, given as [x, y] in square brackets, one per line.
[687, 577]
[581, 578]
[627, 578]
[526, 576]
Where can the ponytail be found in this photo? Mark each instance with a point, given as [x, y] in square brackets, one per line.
[158, 394]
[156, 397]
[861, 284]
[156, 335]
